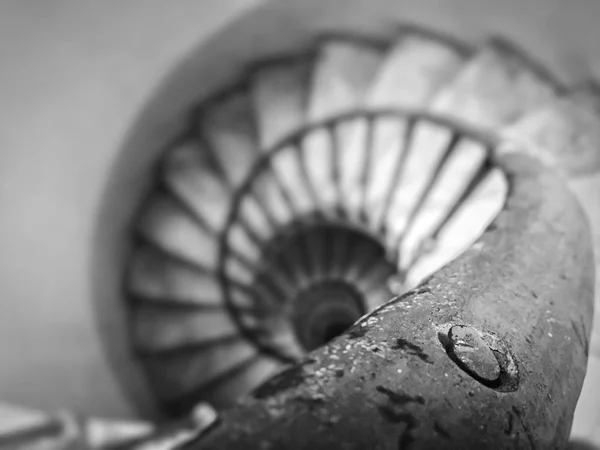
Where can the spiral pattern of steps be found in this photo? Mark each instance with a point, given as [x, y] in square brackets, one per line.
[320, 186]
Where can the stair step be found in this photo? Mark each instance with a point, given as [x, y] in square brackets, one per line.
[414, 69]
[157, 278]
[352, 161]
[269, 193]
[279, 280]
[16, 420]
[228, 125]
[289, 166]
[252, 214]
[320, 154]
[237, 270]
[160, 329]
[175, 231]
[241, 241]
[342, 73]
[445, 189]
[279, 92]
[190, 174]
[496, 86]
[230, 386]
[428, 145]
[383, 166]
[183, 372]
[564, 134]
[459, 233]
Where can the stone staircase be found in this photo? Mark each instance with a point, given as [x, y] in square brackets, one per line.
[302, 197]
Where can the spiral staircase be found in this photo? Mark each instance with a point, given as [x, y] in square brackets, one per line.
[321, 185]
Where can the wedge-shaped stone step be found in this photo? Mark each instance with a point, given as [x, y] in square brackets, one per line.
[416, 67]
[353, 157]
[455, 177]
[429, 143]
[383, 166]
[155, 277]
[320, 152]
[228, 125]
[279, 93]
[289, 167]
[564, 134]
[496, 86]
[343, 72]
[191, 368]
[168, 226]
[190, 173]
[17, 424]
[270, 194]
[229, 386]
[460, 229]
[163, 329]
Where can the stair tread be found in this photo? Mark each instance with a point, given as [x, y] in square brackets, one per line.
[564, 134]
[156, 277]
[252, 214]
[16, 419]
[457, 171]
[270, 195]
[228, 126]
[175, 231]
[160, 330]
[180, 373]
[386, 155]
[343, 71]
[188, 172]
[414, 69]
[320, 159]
[240, 240]
[279, 92]
[496, 86]
[288, 165]
[427, 148]
[469, 222]
[225, 391]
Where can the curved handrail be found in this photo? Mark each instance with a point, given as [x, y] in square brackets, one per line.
[489, 352]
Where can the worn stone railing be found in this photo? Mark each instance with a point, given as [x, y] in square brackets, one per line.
[490, 352]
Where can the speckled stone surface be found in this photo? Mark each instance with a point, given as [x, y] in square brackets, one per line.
[527, 288]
